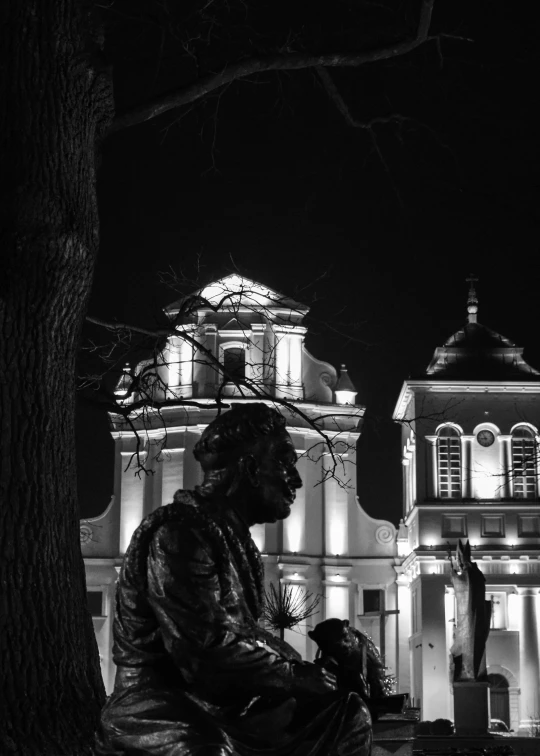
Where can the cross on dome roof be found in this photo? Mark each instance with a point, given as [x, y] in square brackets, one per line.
[472, 300]
[476, 352]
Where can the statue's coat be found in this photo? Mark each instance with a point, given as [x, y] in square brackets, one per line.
[192, 670]
[473, 618]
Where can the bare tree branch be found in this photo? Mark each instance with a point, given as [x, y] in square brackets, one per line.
[339, 102]
[141, 395]
[343, 108]
[249, 66]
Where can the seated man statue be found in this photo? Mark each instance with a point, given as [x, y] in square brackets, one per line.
[196, 675]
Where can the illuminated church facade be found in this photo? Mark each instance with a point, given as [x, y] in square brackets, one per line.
[328, 546]
[469, 471]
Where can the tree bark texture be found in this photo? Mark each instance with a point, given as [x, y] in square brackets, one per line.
[57, 103]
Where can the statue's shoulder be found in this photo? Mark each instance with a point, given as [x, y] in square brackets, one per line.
[186, 520]
[185, 506]
[164, 517]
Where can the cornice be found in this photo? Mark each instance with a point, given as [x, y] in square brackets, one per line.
[410, 386]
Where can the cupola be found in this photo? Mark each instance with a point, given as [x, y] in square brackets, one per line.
[345, 390]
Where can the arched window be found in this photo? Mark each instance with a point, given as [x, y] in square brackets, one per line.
[449, 463]
[524, 464]
[234, 362]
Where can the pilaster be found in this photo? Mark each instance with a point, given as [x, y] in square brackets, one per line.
[529, 661]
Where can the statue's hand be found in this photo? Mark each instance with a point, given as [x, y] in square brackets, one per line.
[278, 646]
[311, 680]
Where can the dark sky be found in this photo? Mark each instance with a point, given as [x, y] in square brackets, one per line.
[268, 179]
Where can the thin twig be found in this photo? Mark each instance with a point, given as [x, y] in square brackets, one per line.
[249, 66]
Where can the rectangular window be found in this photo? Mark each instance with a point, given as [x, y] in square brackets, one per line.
[529, 526]
[454, 526]
[95, 603]
[373, 602]
[492, 526]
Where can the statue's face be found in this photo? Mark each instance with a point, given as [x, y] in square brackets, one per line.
[275, 479]
[334, 637]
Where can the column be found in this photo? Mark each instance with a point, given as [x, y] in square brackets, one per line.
[186, 369]
[172, 357]
[432, 477]
[403, 666]
[281, 355]
[335, 512]
[294, 526]
[191, 469]
[450, 618]
[506, 464]
[205, 373]
[255, 367]
[529, 663]
[109, 667]
[152, 482]
[391, 630]
[172, 467]
[435, 673]
[296, 390]
[466, 467]
[405, 482]
[413, 472]
[312, 475]
[131, 498]
[513, 699]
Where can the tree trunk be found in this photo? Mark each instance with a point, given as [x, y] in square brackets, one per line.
[58, 103]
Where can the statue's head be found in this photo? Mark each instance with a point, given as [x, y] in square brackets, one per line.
[248, 457]
[332, 636]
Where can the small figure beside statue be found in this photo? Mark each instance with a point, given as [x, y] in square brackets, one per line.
[196, 673]
[357, 664]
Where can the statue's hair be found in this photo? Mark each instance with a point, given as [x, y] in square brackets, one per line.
[234, 431]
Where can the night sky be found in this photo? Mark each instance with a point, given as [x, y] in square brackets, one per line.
[267, 179]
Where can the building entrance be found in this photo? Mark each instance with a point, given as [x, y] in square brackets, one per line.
[499, 699]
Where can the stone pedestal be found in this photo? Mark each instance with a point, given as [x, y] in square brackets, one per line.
[471, 708]
[393, 735]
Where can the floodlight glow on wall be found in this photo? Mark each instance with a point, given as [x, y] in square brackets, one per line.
[337, 539]
[294, 526]
[345, 397]
[487, 486]
[337, 601]
[336, 527]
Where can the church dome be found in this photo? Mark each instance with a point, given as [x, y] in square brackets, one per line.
[478, 353]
